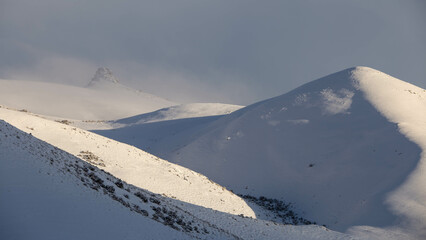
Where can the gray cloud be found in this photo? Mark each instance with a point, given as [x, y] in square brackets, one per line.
[238, 51]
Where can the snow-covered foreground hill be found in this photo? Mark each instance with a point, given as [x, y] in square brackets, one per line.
[46, 193]
[52, 186]
[347, 149]
[103, 99]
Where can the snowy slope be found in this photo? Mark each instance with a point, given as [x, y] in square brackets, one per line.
[164, 130]
[347, 149]
[177, 112]
[103, 99]
[158, 138]
[131, 164]
[49, 194]
[70, 198]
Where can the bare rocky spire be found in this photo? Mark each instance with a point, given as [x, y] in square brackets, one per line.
[103, 74]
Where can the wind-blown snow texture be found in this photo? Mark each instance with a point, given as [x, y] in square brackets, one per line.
[347, 149]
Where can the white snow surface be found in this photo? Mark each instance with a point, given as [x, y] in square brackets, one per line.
[48, 193]
[103, 99]
[347, 149]
[405, 105]
[183, 111]
[177, 112]
[163, 129]
[158, 138]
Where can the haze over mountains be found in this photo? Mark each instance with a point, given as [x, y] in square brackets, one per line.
[346, 151]
[104, 98]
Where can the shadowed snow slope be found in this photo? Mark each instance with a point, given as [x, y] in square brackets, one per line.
[348, 149]
[161, 131]
[103, 99]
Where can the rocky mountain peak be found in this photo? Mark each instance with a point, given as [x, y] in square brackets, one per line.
[103, 74]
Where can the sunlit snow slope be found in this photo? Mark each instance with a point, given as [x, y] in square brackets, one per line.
[103, 99]
[348, 149]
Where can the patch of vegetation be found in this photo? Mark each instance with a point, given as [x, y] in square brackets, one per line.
[283, 211]
[66, 122]
[141, 196]
[91, 158]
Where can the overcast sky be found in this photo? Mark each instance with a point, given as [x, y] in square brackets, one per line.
[198, 50]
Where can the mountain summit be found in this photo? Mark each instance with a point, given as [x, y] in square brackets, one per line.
[348, 149]
[103, 74]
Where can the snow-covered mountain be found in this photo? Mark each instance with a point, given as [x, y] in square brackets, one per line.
[104, 98]
[58, 181]
[348, 149]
